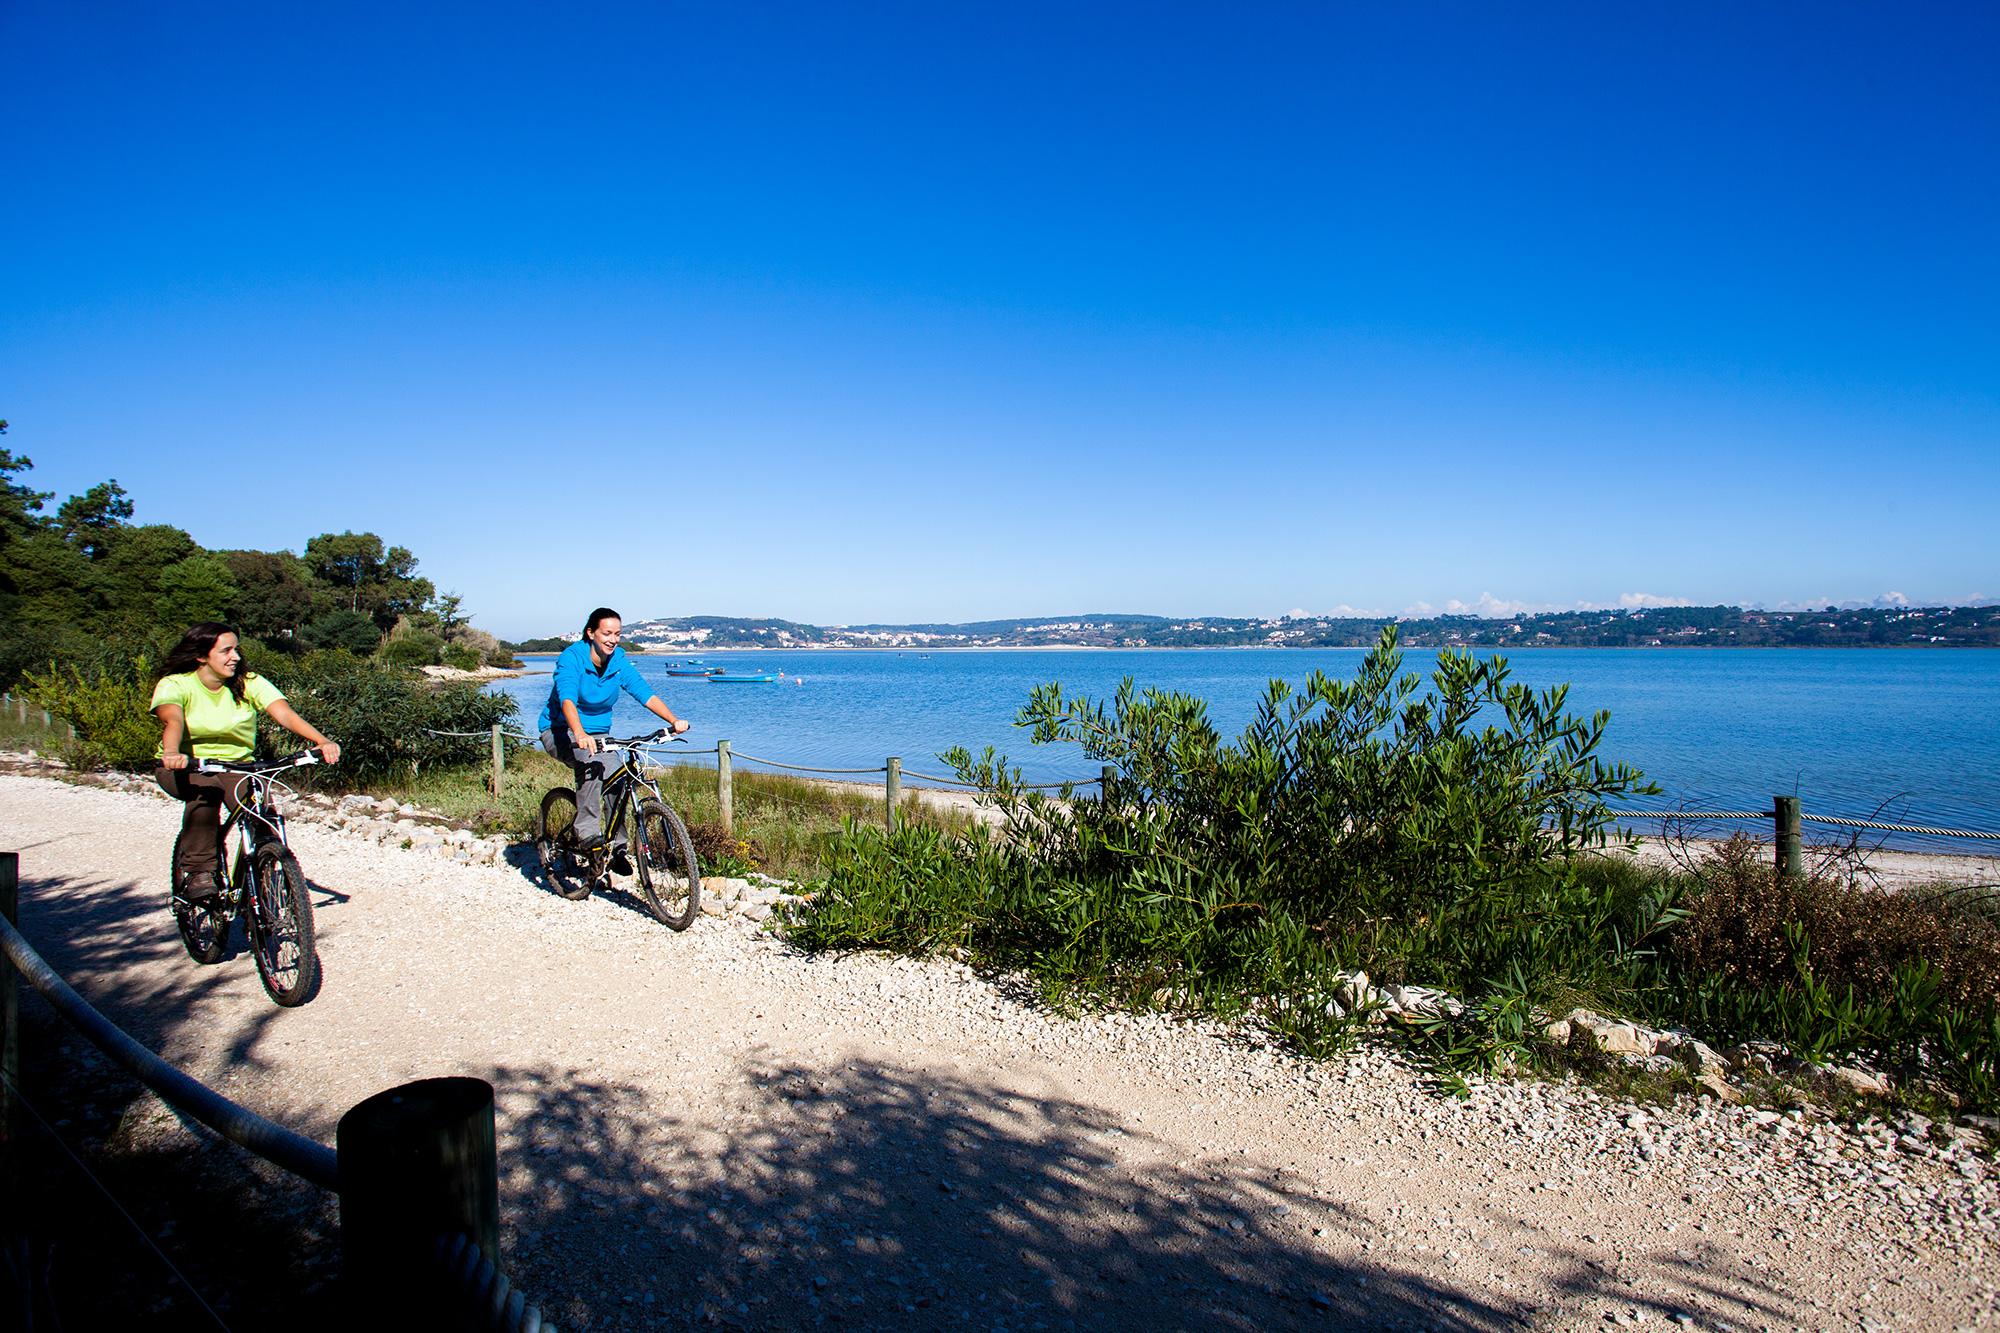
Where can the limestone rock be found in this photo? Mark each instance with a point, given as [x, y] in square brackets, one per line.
[1608, 1035]
[1858, 1082]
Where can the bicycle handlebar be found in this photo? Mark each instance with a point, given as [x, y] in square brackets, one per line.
[634, 742]
[299, 760]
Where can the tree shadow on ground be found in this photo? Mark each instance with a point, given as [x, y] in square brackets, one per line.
[882, 1197]
[865, 1196]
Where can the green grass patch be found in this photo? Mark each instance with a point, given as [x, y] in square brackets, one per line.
[782, 825]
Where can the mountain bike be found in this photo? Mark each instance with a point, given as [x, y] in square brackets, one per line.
[661, 852]
[262, 883]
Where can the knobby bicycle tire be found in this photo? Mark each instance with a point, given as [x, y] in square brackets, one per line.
[567, 873]
[281, 926]
[668, 874]
[204, 925]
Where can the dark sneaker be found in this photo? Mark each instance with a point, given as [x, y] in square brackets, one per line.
[621, 864]
[202, 890]
[585, 846]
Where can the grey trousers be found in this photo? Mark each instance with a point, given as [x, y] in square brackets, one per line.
[590, 770]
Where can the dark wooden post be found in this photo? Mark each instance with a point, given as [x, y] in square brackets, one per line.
[893, 790]
[1106, 777]
[10, 1016]
[1790, 850]
[725, 790]
[14, 1228]
[416, 1162]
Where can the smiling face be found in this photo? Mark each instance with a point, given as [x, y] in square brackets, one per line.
[605, 637]
[223, 660]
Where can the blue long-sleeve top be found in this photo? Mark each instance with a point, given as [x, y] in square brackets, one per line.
[593, 692]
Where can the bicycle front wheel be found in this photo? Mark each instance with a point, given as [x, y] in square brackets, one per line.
[668, 874]
[555, 845]
[281, 926]
[203, 923]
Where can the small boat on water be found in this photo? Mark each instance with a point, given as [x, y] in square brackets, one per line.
[720, 677]
[694, 671]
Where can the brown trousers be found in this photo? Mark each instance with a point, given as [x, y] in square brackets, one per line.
[200, 844]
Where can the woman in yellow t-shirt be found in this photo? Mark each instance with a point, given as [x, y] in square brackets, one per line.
[207, 705]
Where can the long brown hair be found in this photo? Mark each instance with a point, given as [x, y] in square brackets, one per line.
[195, 645]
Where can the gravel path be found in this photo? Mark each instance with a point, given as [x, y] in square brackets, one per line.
[714, 1128]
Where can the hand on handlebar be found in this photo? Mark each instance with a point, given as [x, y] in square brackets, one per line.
[330, 752]
[173, 762]
[584, 741]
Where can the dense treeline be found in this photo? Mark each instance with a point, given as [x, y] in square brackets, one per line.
[90, 601]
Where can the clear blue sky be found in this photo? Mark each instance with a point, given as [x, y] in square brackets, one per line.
[899, 312]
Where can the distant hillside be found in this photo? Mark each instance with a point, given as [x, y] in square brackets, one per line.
[1676, 626]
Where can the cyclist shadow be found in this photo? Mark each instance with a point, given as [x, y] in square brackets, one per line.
[620, 892]
[328, 895]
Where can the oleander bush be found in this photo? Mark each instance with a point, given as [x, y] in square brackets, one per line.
[1420, 831]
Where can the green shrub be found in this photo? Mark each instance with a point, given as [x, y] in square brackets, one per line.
[413, 647]
[387, 719]
[1421, 835]
[464, 657]
[107, 704]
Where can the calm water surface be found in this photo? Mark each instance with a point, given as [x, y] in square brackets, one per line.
[1912, 734]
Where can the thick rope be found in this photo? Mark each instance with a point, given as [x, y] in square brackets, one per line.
[1017, 786]
[799, 768]
[490, 1299]
[274, 1143]
[1898, 828]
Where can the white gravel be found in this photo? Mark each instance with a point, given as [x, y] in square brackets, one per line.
[711, 1127]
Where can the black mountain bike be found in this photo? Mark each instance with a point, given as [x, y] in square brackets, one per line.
[662, 854]
[263, 885]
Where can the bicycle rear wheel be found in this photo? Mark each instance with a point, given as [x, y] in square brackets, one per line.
[568, 873]
[203, 923]
[281, 926]
[668, 873]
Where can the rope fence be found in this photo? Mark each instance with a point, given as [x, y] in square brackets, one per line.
[1783, 808]
[390, 1171]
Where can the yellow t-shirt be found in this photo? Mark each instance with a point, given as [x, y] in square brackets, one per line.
[218, 726]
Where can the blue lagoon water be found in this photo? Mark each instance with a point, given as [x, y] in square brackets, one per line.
[1905, 735]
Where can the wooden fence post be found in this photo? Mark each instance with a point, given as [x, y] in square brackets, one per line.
[1106, 777]
[893, 789]
[416, 1162]
[10, 1019]
[725, 790]
[499, 759]
[1790, 849]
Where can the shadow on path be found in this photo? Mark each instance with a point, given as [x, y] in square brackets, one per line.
[880, 1197]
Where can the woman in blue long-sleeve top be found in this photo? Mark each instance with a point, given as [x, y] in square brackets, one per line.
[590, 675]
